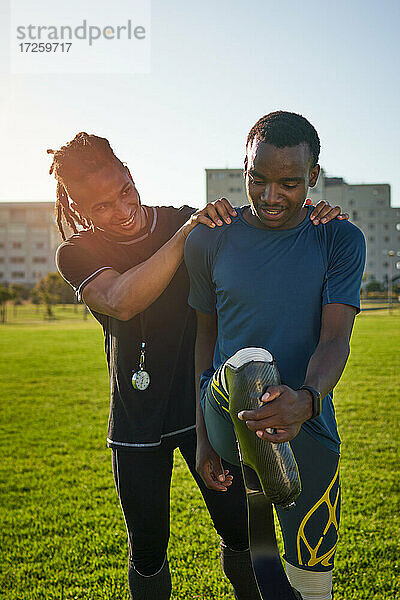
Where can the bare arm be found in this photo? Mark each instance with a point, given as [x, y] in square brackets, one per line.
[125, 295]
[327, 363]
[286, 409]
[208, 463]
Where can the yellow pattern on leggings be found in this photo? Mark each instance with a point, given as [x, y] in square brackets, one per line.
[314, 559]
[217, 387]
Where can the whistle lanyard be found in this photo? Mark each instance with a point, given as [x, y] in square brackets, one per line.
[143, 344]
[141, 378]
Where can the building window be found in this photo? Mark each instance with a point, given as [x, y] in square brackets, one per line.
[17, 215]
[386, 226]
[354, 215]
[39, 245]
[371, 225]
[386, 264]
[351, 202]
[17, 245]
[17, 274]
[233, 190]
[1, 259]
[371, 238]
[386, 238]
[37, 275]
[1, 275]
[39, 259]
[1, 245]
[371, 213]
[17, 259]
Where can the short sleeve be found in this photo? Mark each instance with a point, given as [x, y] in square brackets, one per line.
[77, 265]
[186, 212]
[346, 263]
[199, 263]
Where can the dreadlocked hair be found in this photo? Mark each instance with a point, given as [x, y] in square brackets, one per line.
[286, 129]
[79, 158]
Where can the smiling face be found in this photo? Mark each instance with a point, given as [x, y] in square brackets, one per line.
[109, 199]
[277, 181]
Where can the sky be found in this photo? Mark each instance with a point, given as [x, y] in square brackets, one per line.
[216, 67]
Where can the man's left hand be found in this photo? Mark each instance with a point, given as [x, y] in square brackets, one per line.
[324, 212]
[284, 410]
[213, 213]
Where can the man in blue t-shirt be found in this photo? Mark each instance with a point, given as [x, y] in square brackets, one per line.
[270, 279]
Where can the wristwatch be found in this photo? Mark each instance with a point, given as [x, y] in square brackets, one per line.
[316, 400]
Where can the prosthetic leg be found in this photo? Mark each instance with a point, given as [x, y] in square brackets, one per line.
[269, 470]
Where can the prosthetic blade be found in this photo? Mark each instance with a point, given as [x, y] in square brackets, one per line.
[271, 578]
[275, 465]
[269, 470]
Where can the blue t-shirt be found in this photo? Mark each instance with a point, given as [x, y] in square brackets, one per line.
[268, 288]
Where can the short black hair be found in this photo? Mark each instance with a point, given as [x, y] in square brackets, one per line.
[79, 158]
[286, 129]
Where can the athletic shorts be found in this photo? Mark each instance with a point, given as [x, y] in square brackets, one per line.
[310, 529]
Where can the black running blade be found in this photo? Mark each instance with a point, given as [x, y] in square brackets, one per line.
[270, 574]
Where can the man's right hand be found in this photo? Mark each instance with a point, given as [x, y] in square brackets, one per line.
[214, 213]
[210, 469]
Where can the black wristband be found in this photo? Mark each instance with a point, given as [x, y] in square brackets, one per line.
[316, 400]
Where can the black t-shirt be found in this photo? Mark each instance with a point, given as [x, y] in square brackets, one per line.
[141, 419]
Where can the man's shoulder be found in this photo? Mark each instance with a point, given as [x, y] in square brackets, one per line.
[83, 243]
[181, 213]
[344, 231]
[206, 237]
[85, 238]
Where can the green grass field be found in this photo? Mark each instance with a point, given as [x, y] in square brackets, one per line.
[62, 532]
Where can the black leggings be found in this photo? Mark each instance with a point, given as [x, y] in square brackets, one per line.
[143, 481]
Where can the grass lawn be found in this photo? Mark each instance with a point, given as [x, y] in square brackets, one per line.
[62, 532]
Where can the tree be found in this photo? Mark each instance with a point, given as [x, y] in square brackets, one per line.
[374, 286]
[5, 295]
[19, 292]
[67, 294]
[35, 298]
[50, 290]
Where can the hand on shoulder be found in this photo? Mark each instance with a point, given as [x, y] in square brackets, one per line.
[324, 212]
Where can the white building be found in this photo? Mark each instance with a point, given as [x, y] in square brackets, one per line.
[228, 183]
[28, 241]
[368, 206]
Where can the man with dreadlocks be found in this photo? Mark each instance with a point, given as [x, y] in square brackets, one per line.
[124, 261]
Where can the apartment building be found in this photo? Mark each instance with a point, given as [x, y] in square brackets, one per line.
[28, 241]
[228, 183]
[369, 207]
